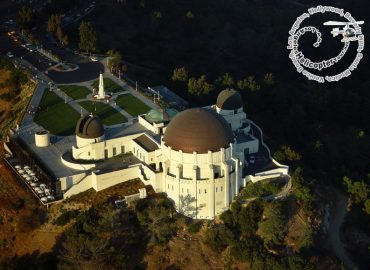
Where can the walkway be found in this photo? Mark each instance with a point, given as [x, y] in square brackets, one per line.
[127, 87]
[75, 102]
[71, 102]
[282, 194]
[34, 103]
[337, 215]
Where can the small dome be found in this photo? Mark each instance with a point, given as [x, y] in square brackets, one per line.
[89, 127]
[198, 130]
[160, 116]
[229, 99]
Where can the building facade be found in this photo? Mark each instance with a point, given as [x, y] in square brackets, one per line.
[199, 157]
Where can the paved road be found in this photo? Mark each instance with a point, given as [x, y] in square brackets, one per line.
[337, 215]
[7, 44]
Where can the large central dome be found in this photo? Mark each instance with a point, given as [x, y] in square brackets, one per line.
[198, 130]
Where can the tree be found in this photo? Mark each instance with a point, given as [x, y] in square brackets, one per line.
[87, 37]
[269, 79]
[367, 206]
[189, 15]
[301, 192]
[25, 17]
[100, 238]
[249, 83]
[218, 237]
[249, 217]
[225, 80]
[62, 38]
[115, 59]
[287, 153]
[180, 74]
[157, 216]
[199, 86]
[53, 22]
[271, 229]
[358, 190]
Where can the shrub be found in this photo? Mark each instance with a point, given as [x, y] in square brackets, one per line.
[195, 227]
[66, 217]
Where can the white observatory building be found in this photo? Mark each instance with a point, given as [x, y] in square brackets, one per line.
[200, 157]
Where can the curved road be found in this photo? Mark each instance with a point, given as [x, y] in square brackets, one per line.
[337, 215]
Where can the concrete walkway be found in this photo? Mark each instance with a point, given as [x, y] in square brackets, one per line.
[127, 87]
[34, 103]
[112, 103]
[73, 103]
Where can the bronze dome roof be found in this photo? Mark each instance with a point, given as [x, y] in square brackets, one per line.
[198, 130]
[229, 99]
[89, 127]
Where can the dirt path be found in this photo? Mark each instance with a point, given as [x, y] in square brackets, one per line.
[337, 215]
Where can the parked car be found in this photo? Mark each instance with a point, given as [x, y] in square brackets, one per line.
[10, 54]
[252, 159]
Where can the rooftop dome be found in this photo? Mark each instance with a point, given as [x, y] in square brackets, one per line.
[229, 99]
[160, 116]
[198, 130]
[89, 127]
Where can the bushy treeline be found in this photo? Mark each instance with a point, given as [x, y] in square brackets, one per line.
[255, 234]
[16, 79]
[104, 237]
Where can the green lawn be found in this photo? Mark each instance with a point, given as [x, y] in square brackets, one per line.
[75, 91]
[106, 113]
[131, 104]
[56, 116]
[109, 86]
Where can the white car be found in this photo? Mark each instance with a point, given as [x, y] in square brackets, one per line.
[10, 54]
[252, 159]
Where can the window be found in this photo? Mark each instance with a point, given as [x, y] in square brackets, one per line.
[182, 190]
[187, 191]
[122, 149]
[168, 186]
[221, 188]
[200, 192]
[114, 151]
[216, 189]
[172, 187]
[205, 191]
[88, 153]
[105, 153]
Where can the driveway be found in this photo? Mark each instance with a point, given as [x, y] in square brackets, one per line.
[86, 72]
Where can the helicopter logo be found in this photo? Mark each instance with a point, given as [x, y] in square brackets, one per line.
[348, 32]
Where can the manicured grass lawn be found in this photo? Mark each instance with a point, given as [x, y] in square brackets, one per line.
[56, 116]
[106, 113]
[131, 104]
[109, 86]
[75, 91]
